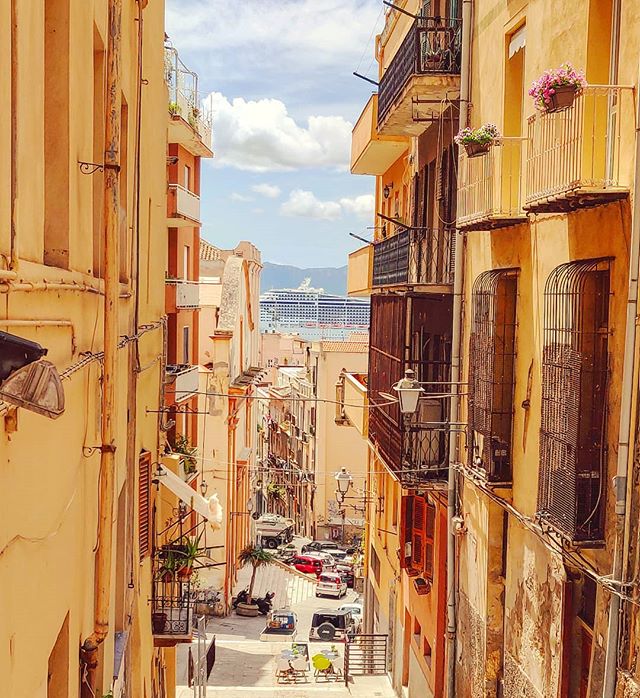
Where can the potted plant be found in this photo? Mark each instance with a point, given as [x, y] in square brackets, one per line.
[477, 141]
[256, 557]
[556, 89]
[174, 109]
[188, 452]
[190, 553]
[168, 569]
[158, 622]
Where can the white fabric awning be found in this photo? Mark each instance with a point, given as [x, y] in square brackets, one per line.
[210, 508]
[518, 40]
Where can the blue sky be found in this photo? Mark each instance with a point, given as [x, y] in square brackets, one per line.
[277, 75]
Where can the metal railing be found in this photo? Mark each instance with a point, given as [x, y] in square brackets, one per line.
[171, 608]
[490, 185]
[365, 654]
[414, 256]
[578, 148]
[432, 45]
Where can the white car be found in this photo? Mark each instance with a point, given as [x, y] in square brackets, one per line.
[330, 584]
[328, 563]
[357, 613]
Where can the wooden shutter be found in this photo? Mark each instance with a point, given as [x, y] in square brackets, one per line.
[417, 537]
[144, 503]
[429, 535]
[406, 531]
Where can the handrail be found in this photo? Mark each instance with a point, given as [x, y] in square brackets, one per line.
[173, 185]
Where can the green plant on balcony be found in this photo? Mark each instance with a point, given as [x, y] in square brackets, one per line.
[187, 452]
[174, 108]
[276, 492]
[167, 571]
[189, 553]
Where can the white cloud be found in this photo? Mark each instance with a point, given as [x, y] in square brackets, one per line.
[362, 206]
[305, 204]
[271, 191]
[261, 136]
[234, 196]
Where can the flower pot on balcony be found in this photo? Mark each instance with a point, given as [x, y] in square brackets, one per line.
[474, 150]
[158, 622]
[250, 610]
[184, 573]
[562, 98]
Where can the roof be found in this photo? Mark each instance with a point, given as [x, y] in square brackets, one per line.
[346, 347]
[209, 252]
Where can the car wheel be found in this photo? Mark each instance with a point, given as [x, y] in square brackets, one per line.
[271, 544]
[326, 632]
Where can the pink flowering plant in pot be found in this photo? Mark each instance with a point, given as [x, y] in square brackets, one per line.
[477, 141]
[556, 89]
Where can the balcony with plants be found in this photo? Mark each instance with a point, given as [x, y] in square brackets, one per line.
[189, 123]
[423, 72]
[575, 142]
[489, 179]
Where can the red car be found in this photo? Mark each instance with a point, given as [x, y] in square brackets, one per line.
[308, 565]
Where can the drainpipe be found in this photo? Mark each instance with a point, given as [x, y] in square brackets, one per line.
[456, 336]
[13, 261]
[624, 434]
[102, 590]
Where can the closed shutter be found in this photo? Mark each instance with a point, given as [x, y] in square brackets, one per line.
[429, 535]
[406, 531]
[417, 538]
[144, 503]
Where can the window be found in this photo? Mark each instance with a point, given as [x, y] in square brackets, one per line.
[571, 486]
[186, 345]
[417, 628]
[492, 352]
[426, 651]
[186, 258]
[429, 534]
[422, 536]
[375, 564]
[144, 503]
[187, 177]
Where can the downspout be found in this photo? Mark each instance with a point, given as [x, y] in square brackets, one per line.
[13, 261]
[621, 479]
[456, 336]
[102, 582]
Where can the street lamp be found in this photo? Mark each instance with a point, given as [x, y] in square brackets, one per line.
[409, 391]
[203, 488]
[343, 481]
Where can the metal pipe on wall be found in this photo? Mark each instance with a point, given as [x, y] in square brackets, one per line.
[102, 582]
[456, 336]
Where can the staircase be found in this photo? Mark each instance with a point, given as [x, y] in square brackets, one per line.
[290, 586]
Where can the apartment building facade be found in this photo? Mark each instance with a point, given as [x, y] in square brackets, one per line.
[82, 194]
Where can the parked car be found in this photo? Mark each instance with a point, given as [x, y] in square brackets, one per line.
[328, 563]
[281, 626]
[357, 613]
[307, 564]
[331, 584]
[346, 572]
[319, 546]
[286, 551]
[329, 625]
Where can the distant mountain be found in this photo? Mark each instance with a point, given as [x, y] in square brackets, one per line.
[331, 279]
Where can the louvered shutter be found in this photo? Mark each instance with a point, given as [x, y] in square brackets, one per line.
[144, 503]
[417, 538]
[406, 531]
[429, 535]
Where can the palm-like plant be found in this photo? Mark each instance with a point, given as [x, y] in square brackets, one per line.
[256, 557]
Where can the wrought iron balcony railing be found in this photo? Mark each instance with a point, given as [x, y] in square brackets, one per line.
[415, 256]
[490, 187]
[574, 155]
[432, 45]
[172, 610]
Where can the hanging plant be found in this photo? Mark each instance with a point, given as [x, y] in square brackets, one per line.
[174, 108]
[188, 452]
[556, 89]
[478, 141]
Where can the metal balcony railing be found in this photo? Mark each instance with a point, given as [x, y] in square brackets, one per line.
[172, 610]
[490, 187]
[414, 256]
[574, 155]
[432, 45]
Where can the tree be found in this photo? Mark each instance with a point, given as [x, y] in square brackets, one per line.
[256, 557]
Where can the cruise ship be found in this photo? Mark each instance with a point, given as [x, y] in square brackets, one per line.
[312, 313]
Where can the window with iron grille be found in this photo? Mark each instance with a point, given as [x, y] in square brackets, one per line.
[571, 487]
[144, 503]
[492, 352]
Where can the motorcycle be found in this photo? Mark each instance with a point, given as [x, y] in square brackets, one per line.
[240, 598]
[264, 604]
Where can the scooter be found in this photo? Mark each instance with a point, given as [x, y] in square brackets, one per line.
[264, 604]
[240, 598]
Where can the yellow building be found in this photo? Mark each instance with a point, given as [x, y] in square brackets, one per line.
[76, 239]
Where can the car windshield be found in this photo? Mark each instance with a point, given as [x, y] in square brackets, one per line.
[338, 621]
[331, 579]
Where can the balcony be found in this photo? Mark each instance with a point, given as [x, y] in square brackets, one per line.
[372, 154]
[188, 124]
[183, 380]
[359, 271]
[490, 187]
[183, 207]
[423, 75]
[415, 257]
[171, 610]
[181, 295]
[574, 156]
[352, 402]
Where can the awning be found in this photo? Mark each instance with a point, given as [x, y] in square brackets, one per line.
[518, 40]
[210, 508]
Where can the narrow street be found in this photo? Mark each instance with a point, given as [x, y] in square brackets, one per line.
[245, 665]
